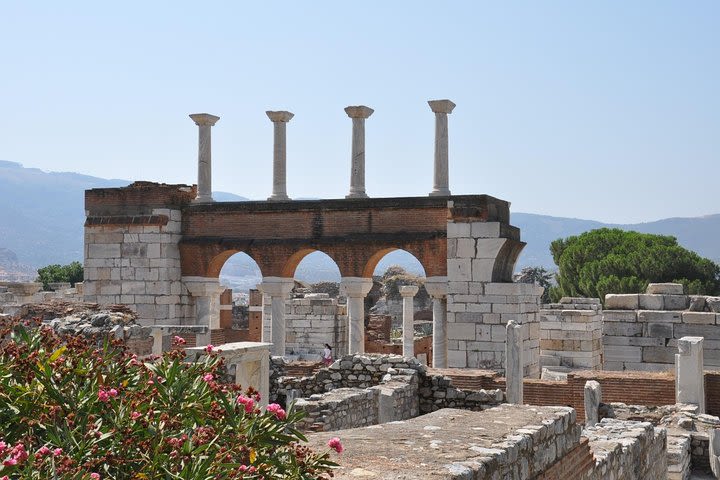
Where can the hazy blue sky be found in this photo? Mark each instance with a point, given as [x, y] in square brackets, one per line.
[601, 110]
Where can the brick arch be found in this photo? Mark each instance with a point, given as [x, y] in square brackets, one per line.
[294, 260]
[218, 262]
[372, 263]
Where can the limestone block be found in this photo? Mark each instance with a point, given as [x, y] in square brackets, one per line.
[676, 302]
[461, 331]
[133, 288]
[621, 301]
[109, 288]
[623, 353]
[650, 302]
[104, 250]
[129, 250]
[489, 247]
[458, 230]
[485, 229]
[713, 304]
[619, 316]
[593, 397]
[476, 288]
[659, 316]
[709, 332]
[697, 303]
[699, 318]
[659, 330]
[460, 270]
[482, 269]
[153, 250]
[658, 355]
[665, 288]
[460, 288]
[465, 248]
[457, 359]
[636, 341]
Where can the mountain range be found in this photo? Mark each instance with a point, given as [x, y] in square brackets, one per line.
[41, 222]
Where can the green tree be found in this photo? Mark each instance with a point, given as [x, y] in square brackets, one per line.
[538, 276]
[72, 273]
[616, 261]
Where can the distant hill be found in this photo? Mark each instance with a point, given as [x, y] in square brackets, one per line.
[42, 216]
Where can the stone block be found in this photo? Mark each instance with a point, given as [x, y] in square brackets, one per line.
[622, 301]
[659, 316]
[659, 330]
[676, 302]
[133, 288]
[697, 303]
[458, 230]
[650, 302]
[460, 270]
[461, 331]
[658, 355]
[636, 341]
[623, 353]
[619, 316]
[459, 288]
[713, 303]
[489, 247]
[699, 318]
[665, 288]
[465, 248]
[457, 359]
[485, 229]
[482, 269]
[104, 250]
[709, 332]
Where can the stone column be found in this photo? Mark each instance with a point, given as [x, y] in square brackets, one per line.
[280, 120]
[714, 445]
[357, 169]
[514, 363]
[689, 378]
[437, 289]
[408, 293]
[278, 288]
[593, 397]
[440, 178]
[206, 293]
[204, 121]
[355, 289]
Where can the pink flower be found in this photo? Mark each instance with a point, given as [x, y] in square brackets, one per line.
[3, 447]
[95, 476]
[276, 410]
[113, 393]
[209, 348]
[335, 444]
[135, 415]
[57, 451]
[10, 462]
[5, 477]
[178, 340]
[103, 396]
[208, 377]
[44, 450]
[248, 402]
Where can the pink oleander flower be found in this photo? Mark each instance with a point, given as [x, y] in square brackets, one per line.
[42, 451]
[4, 477]
[335, 444]
[3, 446]
[209, 348]
[57, 451]
[113, 393]
[103, 396]
[208, 377]
[179, 340]
[248, 402]
[95, 476]
[135, 415]
[10, 462]
[18, 453]
[276, 410]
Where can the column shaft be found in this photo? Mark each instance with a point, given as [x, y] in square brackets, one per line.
[356, 318]
[204, 121]
[439, 359]
[279, 120]
[514, 363]
[357, 159]
[408, 327]
[440, 173]
[278, 326]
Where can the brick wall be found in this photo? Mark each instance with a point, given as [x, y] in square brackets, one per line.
[712, 393]
[576, 463]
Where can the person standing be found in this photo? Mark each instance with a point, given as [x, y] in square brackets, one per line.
[327, 355]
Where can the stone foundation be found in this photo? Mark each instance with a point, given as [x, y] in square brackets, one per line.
[571, 334]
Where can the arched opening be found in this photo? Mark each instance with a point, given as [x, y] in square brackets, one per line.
[241, 304]
[391, 270]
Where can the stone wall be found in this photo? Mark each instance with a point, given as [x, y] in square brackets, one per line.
[641, 331]
[571, 333]
[313, 321]
[437, 391]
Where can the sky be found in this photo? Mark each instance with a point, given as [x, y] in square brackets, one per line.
[605, 110]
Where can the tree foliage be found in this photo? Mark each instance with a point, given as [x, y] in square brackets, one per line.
[616, 261]
[538, 276]
[72, 273]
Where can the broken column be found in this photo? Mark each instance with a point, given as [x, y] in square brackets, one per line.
[280, 120]
[440, 177]
[514, 363]
[357, 169]
[206, 293]
[715, 451]
[204, 121]
[437, 289]
[689, 378]
[355, 289]
[408, 293]
[278, 289]
[593, 396]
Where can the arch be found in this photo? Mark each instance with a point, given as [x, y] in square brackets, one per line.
[292, 263]
[218, 262]
[377, 257]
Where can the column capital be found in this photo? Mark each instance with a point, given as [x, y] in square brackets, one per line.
[203, 286]
[355, 286]
[408, 290]
[441, 106]
[279, 116]
[204, 119]
[436, 286]
[276, 286]
[359, 111]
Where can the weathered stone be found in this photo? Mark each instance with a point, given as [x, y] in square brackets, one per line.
[622, 301]
[514, 363]
[690, 384]
[593, 397]
[665, 288]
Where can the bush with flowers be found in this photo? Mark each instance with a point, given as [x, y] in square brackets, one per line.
[76, 408]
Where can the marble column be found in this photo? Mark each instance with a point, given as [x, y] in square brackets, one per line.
[280, 120]
[514, 363]
[408, 293]
[204, 121]
[206, 293]
[593, 397]
[437, 289]
[278, 289]
[689, 377]
[355, 289]
[440, 177]
[357, 169]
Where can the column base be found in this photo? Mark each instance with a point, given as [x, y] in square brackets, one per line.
[445, 192]
[203, 199]
[278, 198]
[357, 195]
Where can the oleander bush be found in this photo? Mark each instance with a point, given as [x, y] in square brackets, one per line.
[78, 408]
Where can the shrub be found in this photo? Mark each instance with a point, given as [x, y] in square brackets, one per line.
[75, 408]
[71, 273]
